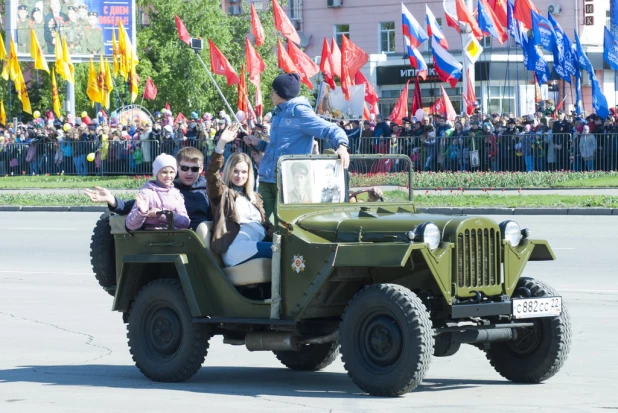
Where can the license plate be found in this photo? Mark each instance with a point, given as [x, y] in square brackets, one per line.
[537, 307]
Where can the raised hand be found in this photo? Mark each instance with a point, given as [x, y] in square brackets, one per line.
[99, 194]
[141, 202]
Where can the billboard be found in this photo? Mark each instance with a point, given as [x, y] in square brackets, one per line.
[86, 24]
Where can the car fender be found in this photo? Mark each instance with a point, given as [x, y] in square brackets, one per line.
[130, 282]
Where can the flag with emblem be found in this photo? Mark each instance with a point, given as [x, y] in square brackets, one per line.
[115, 53]
[283, 24]
[92, 89]
[68, 61]
[256, 27]
[36, 52]
[306, 67]
[219, 65]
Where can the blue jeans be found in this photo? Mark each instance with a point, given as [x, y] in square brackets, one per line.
[429, 162]
[589, 164]
[264, 251]
[529, 160]
[80, 165]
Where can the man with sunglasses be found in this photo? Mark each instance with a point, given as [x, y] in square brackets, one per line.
[190, 182]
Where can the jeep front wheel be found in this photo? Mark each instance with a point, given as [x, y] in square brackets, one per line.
[539, 352]
[386, 340]
[311, 357]
[164, 342]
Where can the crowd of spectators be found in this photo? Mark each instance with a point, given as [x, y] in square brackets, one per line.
[546, 140]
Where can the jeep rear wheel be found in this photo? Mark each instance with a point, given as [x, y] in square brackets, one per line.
[312, 357]
[102, 254]
[386, 340]
[539, 351]
[165, 343]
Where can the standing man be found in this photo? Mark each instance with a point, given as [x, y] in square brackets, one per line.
[93, 35]
[54, 21]
[294, 127]
[23, 29]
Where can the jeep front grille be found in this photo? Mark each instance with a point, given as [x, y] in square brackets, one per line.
[478, 258]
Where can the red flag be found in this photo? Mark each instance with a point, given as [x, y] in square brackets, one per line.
[150, 91]
[335, 56]
[449, 112]
[306, 67]
[464, 15]
[352, 59]
[401, 107]
[256, 27]
[167, 106]
[470, 97]
[255, 64]
[417, 100]
[219, 65]
[366, 114]
[499, 8]
[283, 59]
[437, 107]
[521, 12]
[371, 96]
[180, 118]
[182, 31]
[325, 65]
[559, 106]
[283, 24]
[242, 91]
[451, 21]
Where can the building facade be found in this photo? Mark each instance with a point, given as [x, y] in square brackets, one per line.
[502, 84]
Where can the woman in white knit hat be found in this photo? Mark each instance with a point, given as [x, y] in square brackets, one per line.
[158, 195]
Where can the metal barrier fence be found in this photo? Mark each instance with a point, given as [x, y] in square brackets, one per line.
[532, 152]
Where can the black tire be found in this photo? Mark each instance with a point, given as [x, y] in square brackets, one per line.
[312, 357]
[165, 343]
[103, 255]
[386, 340]
[541, 351]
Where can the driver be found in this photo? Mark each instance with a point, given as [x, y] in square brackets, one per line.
[190, 182]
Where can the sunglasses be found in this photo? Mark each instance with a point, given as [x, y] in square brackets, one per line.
[185, 168]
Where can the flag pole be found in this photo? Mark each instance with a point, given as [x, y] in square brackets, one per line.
[219, 90]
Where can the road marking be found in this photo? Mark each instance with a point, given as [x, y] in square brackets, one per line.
[563, 249]
[589, 291]
[45, 272]
[41, 229]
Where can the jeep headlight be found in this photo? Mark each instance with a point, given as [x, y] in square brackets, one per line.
[511, 232]
[427, 232]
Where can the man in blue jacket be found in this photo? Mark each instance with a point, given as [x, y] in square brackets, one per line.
[294, 126]
[189, 181]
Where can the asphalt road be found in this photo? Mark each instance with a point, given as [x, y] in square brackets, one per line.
[63, 350]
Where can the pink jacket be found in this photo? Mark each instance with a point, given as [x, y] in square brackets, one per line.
[160, 197]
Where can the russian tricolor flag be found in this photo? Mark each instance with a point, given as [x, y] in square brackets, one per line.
[412, 31]
[433, 29]
[447, 68]
[417, 61]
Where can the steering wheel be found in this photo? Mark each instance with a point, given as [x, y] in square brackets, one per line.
[375, 194]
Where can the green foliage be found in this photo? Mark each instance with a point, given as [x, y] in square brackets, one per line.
[72, 181]
[180, 78]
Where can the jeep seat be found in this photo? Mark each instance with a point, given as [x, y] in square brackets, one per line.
[255, 271]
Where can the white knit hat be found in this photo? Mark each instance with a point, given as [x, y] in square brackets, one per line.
[162, 161]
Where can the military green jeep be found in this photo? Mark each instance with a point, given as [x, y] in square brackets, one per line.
[384, 283]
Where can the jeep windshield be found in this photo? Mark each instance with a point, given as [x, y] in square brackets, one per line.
[321, 179]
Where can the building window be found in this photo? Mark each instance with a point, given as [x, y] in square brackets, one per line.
[339, 30]
[258, 4]
[387, 37]
[501, 99]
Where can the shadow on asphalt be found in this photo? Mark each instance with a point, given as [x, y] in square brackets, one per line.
[247, 381]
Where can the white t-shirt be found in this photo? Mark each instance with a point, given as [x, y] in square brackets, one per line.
[251, 232]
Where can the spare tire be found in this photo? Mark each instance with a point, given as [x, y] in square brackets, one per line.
[103, 255]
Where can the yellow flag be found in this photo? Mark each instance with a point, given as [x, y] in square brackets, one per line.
[115, 53]
[67, 59]
[5, 57]
[55, 95]
[103, 98]
[13, 62]
[122, 52]
[2, 113]
[134, 85]
[61, 67]
[22, 93]
[92, 89]
[109, 84]
[36, 53]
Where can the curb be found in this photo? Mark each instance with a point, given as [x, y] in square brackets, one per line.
[10, 208]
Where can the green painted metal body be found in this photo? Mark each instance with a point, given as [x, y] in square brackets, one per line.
[342, 247]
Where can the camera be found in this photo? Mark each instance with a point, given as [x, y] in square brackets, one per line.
[196, 44]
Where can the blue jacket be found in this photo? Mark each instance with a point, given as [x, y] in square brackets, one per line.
[294, 125]
[196, 202]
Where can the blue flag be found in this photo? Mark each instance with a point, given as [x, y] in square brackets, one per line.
[564, 50]
[610, 49]
[543, 32]
[613, 8]
[599, 103]
[541, 68]
[512, 24]
[578, 94]
[527, 47]
[582, 59]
